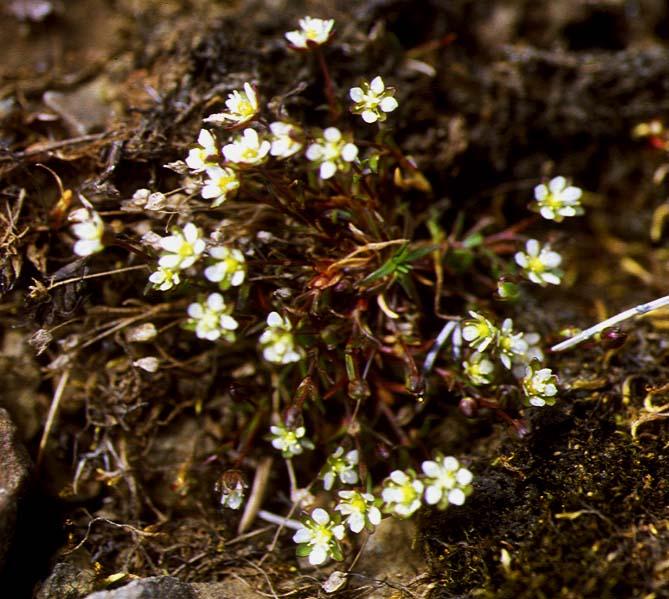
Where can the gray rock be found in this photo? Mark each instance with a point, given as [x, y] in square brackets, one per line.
[156, 587]
[14, 471]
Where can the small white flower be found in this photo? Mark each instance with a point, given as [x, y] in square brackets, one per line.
[319, 538]
[205, 155]
[332, 152]
[288, 441]
[88, 227]
[373, 100]
[511, 346]
[446, 482]
[312, 32]
[285, 139]
[539, 385]
[247, 148]
[221, 181]
[232, 487]
[164, 279]
[183, 248]
[278, 342]
[478, 331]
[242, 107]
[401, 493]
[359, 510]
[340, 466]
[533, 353]
[229, 270]
[211, 319]
[558, 199]
[479, 369]
[540, 264]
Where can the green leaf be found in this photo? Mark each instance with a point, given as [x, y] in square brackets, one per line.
[473, 241]
[303, 550]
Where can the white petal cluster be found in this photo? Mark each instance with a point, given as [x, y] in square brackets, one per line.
[446, 482]
[242, 107]
[220, 182]
[278, 342]
[164, 279]
[319, 538]
[88, 227]
[312, 32]
[229, 268]
[247, 148]
[205, 155]
[288, 441]
[211, 319]
[340, 466]
[373, 100]
[478, 331]
[402, 493]
[181, 249]
[539, 385]
[285, 139]
[558, 199]
[511, 345]
[479, 369]
[540, 264]
[359, 510]
[332, 152]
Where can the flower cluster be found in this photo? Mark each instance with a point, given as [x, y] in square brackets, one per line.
[318, 538]
[540, 264]
[373, 100]
[211, 320]
[558, 199]
[342, 467]
[277, 341]
[89, 228]
[539, 385]
[332, 152]
[289, 441]
[312, 32]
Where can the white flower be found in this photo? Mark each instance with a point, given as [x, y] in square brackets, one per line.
[164, 278]
[285, 139]
[532, 353]
[341, 466]
[446, 482]
[278, 342]
[540, 263]
[319, 538]
[479, 369]
[511, 345]
[332, 152]
[558, 199]
[88, 227]
[211, 319]
[221, 181]
[373, 100]
[247, 148]
[229, 270]
[312, 32]
[478, 331]
[539, 385]
[401, 493]
[183, 248]
[205, 155]
[242, 107]
[232, 487]
[359, 509]
[289, 441]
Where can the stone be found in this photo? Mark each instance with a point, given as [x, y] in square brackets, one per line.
[14, 472]
[155, 587]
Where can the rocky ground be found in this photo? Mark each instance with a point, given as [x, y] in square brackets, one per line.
[107, 477]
